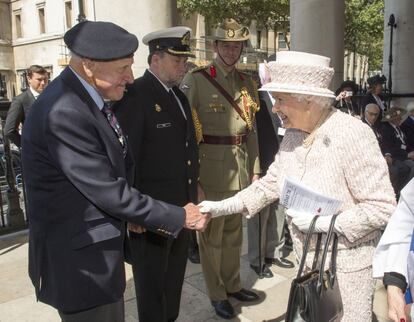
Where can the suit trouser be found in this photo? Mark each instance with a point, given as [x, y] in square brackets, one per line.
[158, 265]
[220, 249]
[112, 312]
[272, 220]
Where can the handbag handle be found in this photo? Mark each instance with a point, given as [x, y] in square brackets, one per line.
[325, 253]
[306, 245]
[317, 251]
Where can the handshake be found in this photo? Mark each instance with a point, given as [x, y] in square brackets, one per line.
[198, 216]
[194, 219]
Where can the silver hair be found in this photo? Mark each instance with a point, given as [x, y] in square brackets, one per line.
[324, 102]
[371, 105]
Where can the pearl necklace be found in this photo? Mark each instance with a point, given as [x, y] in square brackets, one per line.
[307, 142]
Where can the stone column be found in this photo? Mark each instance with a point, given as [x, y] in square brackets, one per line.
[271, 40]
[199, 33]
[402, 47]
[253, 33]
[317, 26]
[139, 18]
[263, 40]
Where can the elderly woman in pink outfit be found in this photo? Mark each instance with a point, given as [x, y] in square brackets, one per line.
[334, 154]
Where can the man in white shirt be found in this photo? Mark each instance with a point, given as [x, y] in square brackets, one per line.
[37, 78]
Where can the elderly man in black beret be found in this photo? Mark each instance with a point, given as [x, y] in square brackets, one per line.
[156, 116]
[78, 172]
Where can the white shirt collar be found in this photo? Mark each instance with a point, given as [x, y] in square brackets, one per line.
[97, 98]
[35, 94]
[165, 86]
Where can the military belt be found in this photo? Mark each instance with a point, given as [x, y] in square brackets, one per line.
[225, 140]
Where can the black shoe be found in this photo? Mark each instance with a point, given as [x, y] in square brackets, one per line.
[194, 256]
[266, 272]
[223, 309]
[245, 295]
[281, 262]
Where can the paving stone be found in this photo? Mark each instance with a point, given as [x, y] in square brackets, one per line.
[18, 303]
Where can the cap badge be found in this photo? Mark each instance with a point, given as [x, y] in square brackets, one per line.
[158, 108]
[231, 33]
[185, 41]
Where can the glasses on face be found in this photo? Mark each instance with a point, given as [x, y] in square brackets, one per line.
[372, 114]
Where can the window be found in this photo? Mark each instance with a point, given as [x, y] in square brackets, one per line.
[22, 79]
[82, 10]
[2, 16]
[68, 14]
[281, 41]
[3, 87]
[259, 38]
[41, 12]
[18, 22]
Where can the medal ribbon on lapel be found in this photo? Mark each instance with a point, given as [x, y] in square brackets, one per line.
[113, 122]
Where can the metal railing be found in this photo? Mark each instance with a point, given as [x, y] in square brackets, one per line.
[12, 199]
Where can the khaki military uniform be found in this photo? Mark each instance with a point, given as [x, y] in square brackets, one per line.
[228, 151]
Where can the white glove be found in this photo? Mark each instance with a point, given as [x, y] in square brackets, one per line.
[303, 220]
[227, 206]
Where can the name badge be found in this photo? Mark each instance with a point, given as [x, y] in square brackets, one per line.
[403, 147]
[163, 125]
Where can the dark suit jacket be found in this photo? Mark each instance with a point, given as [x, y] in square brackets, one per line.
[162, 141]
[79, 198]
[267, 126]
[376, 130]
[16, 115]
[368, 99]
[408, 128]
[391, 144]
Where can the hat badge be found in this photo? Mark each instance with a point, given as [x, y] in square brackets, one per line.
[158, 108]
[231, 33]
[185, 40]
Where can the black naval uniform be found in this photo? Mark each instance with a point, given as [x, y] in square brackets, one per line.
[166, 155]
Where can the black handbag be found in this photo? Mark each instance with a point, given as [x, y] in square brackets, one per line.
[315, 296]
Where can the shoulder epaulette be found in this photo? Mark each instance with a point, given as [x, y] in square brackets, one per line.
[198, 69]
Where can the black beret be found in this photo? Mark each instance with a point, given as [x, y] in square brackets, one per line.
[377, 79]
[100, 40]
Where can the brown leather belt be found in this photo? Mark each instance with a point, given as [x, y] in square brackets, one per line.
[226, 140]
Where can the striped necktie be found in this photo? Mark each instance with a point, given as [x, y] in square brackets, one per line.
[113, 122]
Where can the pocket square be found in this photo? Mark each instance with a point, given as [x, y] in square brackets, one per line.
[163, 125]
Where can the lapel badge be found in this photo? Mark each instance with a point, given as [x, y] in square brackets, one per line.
[158, 108]
[326, 141]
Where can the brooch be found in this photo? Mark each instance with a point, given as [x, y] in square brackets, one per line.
[158, 108]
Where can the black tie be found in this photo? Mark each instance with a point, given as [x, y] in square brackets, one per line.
[113, 122]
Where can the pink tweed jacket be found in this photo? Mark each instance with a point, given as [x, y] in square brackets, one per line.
[344, 162]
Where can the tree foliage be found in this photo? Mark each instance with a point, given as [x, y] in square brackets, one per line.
[267, 13]
[364, 29]
[364, 20]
